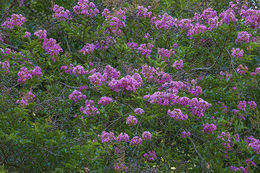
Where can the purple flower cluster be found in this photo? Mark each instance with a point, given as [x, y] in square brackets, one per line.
[165, 52]
[5, 65]
[16, 20]
[150, 156]
[252, 104]
[60, 13]
[185, 24]
[163, 22]
[26, 99]
[155, 75]
[86, 8]
[185, 134]
[226, 74]
[241, 69]
[105, 100]
[132, 45]
[240, 169]
[178, 64]
[251, 17]
[41, 34]
[107, 136]
[228, 16]
[88, 49]
[129, 83]
[26, 74]
[253, 143]
[197, 29]
[89, 109]
[243, 37]
[237, 53]
[76, 70]
[227, 141]
[177, 114]
[143, 12]
[123, 137]
[136, 141]
[139, 111]
[242, 105]
[51, 47]
[76, 96]
[27, 34]
[109, 74]
[209, 128]
[131, 120]
[145, 49]
[146, 135]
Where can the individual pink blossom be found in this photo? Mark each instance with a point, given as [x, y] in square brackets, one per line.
[105, 100]
[242, 105]
[145, 49]
[50, 45]
[88, 49]
[163, 22]
[228, 16]
[146, 135]
[143, 12]
[29, 97]
[243, 37]
[253, 143]
[209, 128]
[5, 65]
[241, 69]
[76, 70]
[107, 136]
[60, 13]
[89, 109]
[131, 120]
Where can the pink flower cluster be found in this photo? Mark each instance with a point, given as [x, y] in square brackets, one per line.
[136, 141]
[5, 65]
[16, 20]
[51, 47]
[227, 141]
[241, 69]
[107, 136]
[228, 16]
[89, 109]
[129, 83]
[242, 105]
[123, 137]
[76, 96]
[147, 135]
[197, 29]
[88, 49]
[243, 37]
[139, 111]
[177, 114]
[98, 79]
[163, 22]
[145, 49]
[41, 34]
[165, 52]
[27, 34]
[209, 128]
[6, 51]
[132, 45]
[26, 99]
[185, 134]
[116, 21]
[76, 70]
[105, 100]
[155, 75]
[253, 143]
[237, 53]
[240, 169]
[185, 24]
[60, 13]
[26, 74]
[150, 156]
[131, 120]
[143, 12]
[251, 17]
[178, 65]
[226, 74]
[86, 8]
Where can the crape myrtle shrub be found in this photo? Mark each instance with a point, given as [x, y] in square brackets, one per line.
[129, 86]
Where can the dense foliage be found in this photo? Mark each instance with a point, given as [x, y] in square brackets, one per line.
[129, 86]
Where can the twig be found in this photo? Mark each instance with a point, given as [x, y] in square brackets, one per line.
[200, 157]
